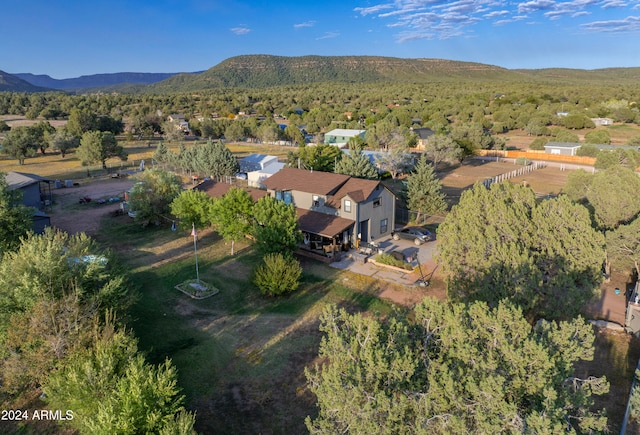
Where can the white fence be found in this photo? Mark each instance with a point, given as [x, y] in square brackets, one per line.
[515, 173]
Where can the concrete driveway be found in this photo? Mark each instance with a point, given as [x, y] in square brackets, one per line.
[419, 254]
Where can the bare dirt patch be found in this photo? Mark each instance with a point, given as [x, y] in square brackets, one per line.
[69, 215]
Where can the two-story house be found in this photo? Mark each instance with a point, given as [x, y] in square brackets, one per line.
[335, 209]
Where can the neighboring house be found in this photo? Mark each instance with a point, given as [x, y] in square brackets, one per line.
[180, 122]
[423, 134]
[259, 167]
[562, 148]
[176, 117]
[256, 162]
[602, 121]
[216, 190]
[340, 136]
[36, 193]
[335, 209]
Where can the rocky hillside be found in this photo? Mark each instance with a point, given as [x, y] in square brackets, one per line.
[256, 71]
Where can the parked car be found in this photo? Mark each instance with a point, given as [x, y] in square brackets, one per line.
[417, 234]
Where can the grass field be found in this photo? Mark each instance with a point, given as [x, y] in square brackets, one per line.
[240, 356]
[53, 166]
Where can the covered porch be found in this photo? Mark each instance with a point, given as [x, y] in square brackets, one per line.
[324, 236]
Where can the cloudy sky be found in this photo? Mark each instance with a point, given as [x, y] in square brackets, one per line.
[70, 38]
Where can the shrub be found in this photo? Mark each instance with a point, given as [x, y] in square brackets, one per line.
[390, 260]
[278, 274]
[538, 143]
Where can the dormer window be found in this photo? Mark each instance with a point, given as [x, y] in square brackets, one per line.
[347, 206]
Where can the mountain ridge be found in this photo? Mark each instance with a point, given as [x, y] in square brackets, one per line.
[263, 70]
[93, 80]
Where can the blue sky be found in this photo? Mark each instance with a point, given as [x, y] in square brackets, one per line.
[70, 38]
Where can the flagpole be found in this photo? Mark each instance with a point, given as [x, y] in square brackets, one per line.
[194, 233]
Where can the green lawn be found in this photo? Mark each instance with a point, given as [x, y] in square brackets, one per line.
[240, 356]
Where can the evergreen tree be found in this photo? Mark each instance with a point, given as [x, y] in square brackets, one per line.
[424, 190]
[20, 144]
[215, 160]
[357, 164]
[623, 245]
[97, 147]
[453, 369]
[161, 155]
[613, 194]
[499, 243]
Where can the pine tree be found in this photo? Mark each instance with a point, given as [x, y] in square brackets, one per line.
[357, 164]
[424, 190]
[453, 368]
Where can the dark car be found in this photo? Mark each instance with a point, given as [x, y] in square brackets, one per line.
[418, 235]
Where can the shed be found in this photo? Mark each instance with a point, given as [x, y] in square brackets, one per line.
[562, 148]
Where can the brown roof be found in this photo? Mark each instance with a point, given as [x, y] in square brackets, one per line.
[216, 190]
[321, 183]
[323, 224]
[358, 189]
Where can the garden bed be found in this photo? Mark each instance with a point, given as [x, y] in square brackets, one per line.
[197, 289]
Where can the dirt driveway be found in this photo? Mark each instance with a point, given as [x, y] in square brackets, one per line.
[71, 216]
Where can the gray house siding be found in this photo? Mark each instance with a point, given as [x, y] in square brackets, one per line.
[373, 214]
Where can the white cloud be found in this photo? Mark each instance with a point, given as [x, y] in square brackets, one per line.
[629, 24]
[305, 24]
[240, 30]
[494, 14]
[428, 19]
[328, 35]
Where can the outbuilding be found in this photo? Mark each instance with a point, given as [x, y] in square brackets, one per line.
[562, 148]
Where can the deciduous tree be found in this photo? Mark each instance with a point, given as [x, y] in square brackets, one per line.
[275, 226]
[232, 215]
[192, 207]
[442, 148]
[151, 198]
[111, 389]
[15, 218]
[63, 141]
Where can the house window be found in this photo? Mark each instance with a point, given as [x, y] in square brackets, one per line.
[347, 206]
[288, 199]
[384, 224]
[376, 202]
[278, 195]
[316, 201]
